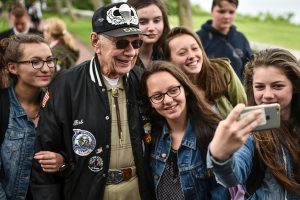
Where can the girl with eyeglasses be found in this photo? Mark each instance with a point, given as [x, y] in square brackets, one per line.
[30, 64]
[153, 21]
[183, 125]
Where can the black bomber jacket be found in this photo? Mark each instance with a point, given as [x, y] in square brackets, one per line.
[78, 110]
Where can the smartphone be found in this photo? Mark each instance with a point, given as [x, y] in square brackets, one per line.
[270, 113]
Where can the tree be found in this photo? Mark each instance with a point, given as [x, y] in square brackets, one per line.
[185, 13]
[70, 10]
[58, 7]
[96, 4]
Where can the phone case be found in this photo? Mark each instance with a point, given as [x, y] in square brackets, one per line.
[271, 114]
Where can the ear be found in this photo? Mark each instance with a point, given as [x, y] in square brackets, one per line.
[94, 38]
[12, 68]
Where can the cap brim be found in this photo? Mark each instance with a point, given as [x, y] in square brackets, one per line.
[124, 31]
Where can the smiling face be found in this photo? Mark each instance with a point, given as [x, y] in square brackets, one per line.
[28, 76]
[171, 108]
[187, 55]
[151, 23]
[223, 15]
[116, 62]
[271, 85]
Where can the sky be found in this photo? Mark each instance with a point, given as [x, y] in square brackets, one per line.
[254, 7]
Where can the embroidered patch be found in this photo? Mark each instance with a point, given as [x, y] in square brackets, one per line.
[45, 99]
[83, 142]
[95, 164]
[147, 132]
[125, 16]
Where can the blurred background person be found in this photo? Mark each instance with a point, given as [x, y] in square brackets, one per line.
[35, 13]
[153, 20]
[220, 37]
[61, 43]
[20, 21]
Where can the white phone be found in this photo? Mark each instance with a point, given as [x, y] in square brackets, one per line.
[270, 113]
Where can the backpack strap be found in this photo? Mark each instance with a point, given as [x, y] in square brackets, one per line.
[256, 175]
[4, 112]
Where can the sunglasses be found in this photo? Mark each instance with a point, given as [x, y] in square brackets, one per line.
[123, 43]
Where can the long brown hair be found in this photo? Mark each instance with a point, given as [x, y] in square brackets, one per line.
[138, 4]
[203, 119]
[270, 143]
[209, 73]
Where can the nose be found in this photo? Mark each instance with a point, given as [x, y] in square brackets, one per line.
[268, 93]
[45, 68]
[129, 50]
[167, 99]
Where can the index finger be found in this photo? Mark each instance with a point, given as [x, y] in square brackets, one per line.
[234, 115]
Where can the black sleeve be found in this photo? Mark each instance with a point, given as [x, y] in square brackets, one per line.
[48, 186]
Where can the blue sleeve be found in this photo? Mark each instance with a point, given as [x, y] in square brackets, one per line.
[236, 169]
[2, 192]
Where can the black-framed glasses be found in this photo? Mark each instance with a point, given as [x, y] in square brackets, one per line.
[38, 63]
[172, 92]
[123, 43]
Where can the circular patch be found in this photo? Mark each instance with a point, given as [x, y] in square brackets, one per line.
[95, 164]
[83, 142]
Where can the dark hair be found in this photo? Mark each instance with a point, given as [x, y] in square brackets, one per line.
[209, 73]
[12, 49]
[138, 4]
[19, 11]
[218, 2]
[269, 143]
[203, 119]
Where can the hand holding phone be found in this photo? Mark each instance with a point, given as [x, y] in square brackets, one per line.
[270, 113]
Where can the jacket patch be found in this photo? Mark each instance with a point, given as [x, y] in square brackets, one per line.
[95, 164]
[45, 99]
[83, 142]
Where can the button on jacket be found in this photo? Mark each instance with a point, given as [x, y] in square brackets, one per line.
[78, 107]
[195, 182]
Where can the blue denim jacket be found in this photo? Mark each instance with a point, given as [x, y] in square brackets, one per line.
[237, 169]
[196, 181]
[16, 152]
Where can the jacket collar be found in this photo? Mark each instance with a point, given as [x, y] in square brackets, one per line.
[189, 138]
[94, 68]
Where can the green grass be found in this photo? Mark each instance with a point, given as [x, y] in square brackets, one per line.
[274, 32]
[3, 24]
[81, 28]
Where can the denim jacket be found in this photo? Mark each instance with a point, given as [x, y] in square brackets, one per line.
[16, 152]
[196, 181]
[237, 169]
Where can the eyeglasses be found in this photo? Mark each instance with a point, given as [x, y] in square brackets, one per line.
[172, 92]
[123, 44]
[39, 63]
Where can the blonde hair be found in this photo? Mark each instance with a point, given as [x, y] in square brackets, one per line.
[58, 30]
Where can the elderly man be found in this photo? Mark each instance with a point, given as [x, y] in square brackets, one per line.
[91, 116]
[21, 23]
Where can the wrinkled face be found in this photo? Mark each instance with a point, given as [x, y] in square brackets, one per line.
[187, 55]
[171, 108]
[117, 62]
[270, 85]
[27, 75]
[151, 23]
[21, 24]
[223, 16]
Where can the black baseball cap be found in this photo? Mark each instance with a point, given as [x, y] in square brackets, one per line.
[116, 19]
